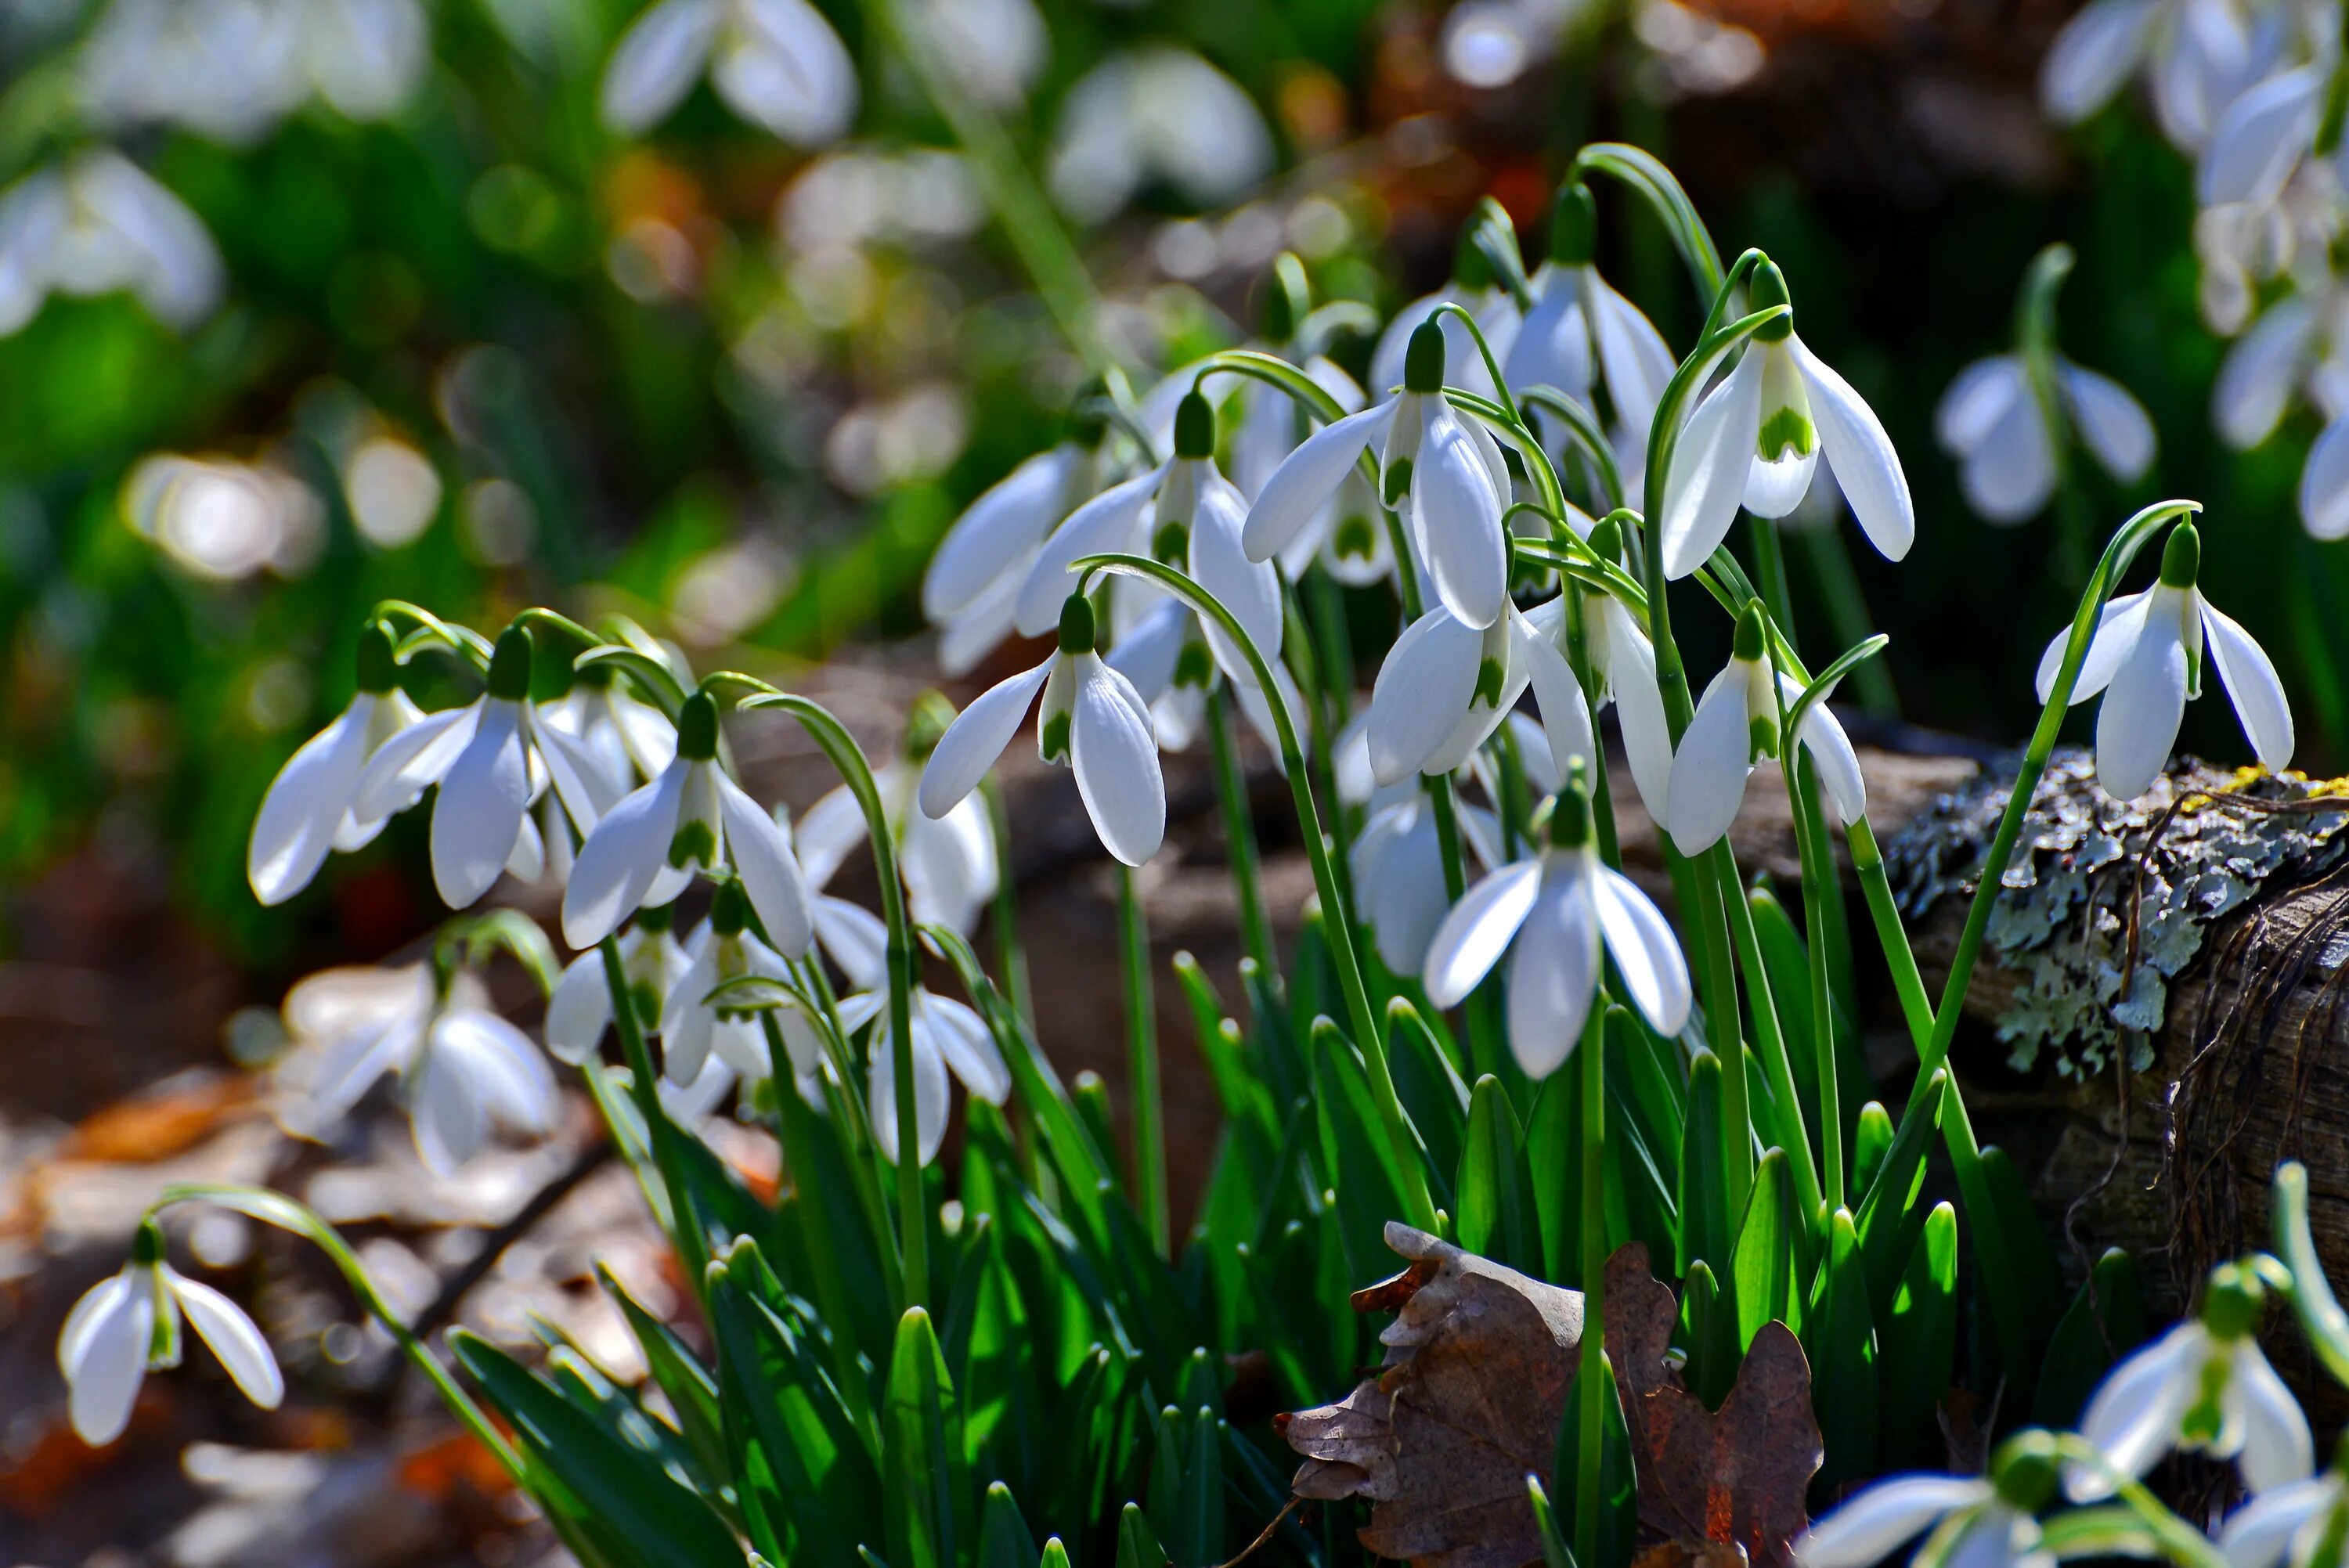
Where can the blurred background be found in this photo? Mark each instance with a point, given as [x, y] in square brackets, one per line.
[306, 303]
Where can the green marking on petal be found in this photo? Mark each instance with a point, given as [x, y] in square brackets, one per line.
[1489, 677]
[1761, 738]
[1055, 738]
[1172, 544]
[1192, 668]
[1395, 483]
[1788, 429]
[1354, 539]
[693, 844]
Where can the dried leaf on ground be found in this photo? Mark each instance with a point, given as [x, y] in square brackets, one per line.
[1734, 1478]
[1479, 1360]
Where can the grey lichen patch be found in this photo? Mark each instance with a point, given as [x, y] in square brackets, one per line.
[2062, 923]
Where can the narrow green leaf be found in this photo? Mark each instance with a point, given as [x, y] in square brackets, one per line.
[1920, 1342]
[1619, 1510]
[1495, 1199]
[1888, 1217]
[1871, 1141]
[1555, 1553]
[1055, 1555]
[1705, 1206]
[1553, 1158]
[2037, 1276]
[921, 1449]
[1708, 1332]
[2105, 1320]
[1762, 1266]
[1004, 1540]
[1137, 1544]
[1843, 1353]
[1429, 1086]
[686, 1384]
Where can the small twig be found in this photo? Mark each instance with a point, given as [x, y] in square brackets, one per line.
[1291, 1506]
[476, 1268]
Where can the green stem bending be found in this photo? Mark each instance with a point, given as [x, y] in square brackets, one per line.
[1142, 1063]
[1590, 1378]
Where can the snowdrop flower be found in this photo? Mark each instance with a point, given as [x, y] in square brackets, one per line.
[2147, 649]
[2288, 1522]
[1092, 718]
[1983, 1522]
[1559, 912]
[1271, 422]
[696, 1023]
[1444, 472]
[580, 1010]
[1735, 726]
[128, 1323]
[1623, 672]
[308, 809]
[97, 225]
[631, 740]
[972, 584]
[1156, 113]
[2298, 345]
[1446, 686]
[2197, 56]
[1582, 334]
[946, 1035]
[1472, 288]
[1397, 863]
[460, 1066]
[948, 863]
[1758, 436]
[2261, 138]
[2203, 1387]
[777, 62]
[1991, 421]
[491, 758]
[644, 850]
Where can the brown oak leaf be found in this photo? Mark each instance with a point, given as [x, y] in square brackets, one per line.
[1466, 1405]
[1734, 1478]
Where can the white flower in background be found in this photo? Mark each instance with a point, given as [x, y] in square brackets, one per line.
[2261, 138]
[462, 1068]
[580, 1010]
[2288, 1522]
[1092, 718]
[1974, 1519]
[233, 68]
[308, 809]
[1990, 420]
[1736, 725]
[694, 1023]
[2205, 1388]
[1444, 688]
[776, 63]
[2146, 658]
[1464, 367]
[1397, 862]
[645, 849]
[1156, 114]
[1271, 421]
[1555, 915]
[1623, 672]
[995, 49]
[972, 584]
[946, 1035]
[630, 740]
[2295, 348]
[2196, 54]
[365, 56]
[1445, 473]
[1582, 336]
[100, 225]
[1758, 435]
[1166, 655]
[491, 758]
[131, 1321]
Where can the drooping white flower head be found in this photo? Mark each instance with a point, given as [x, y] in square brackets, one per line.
[1981, 1521]
[2204, 1387]
[1092, 718]
[1735, 726]
[972, 584]
[1166, 655]
[1557, 914]
[1582, 336]
[2197, 56]
[1497, 317]
[2146, 658]
[697, 1021]
[1623, 672]
[308, 809]
[2285, 1523]
[946, 1035]
[1990, 419]
[2261, 138]
[646, 848]
[776, 63]
[130, 1322]
[97, 225]
[948, 863]
[1446, 686]
[1157, 114]
[652, 962]
[1756, 437]
[1397, 864]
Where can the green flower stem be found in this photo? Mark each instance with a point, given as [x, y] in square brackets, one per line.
[1770, 568]
[2183, 1545]
[660, 1134]
[1409, 1159]
[1011, 958]
[1778, 1060]
[1820, 889]
[462, 640]
[830, 1286]
[276, 1209]
[2034, 340]
[1588, 437]
[1239, 832]
[1916, 1008]
[848, 759]
[1647, 179]
[1149, 1108]
[2320, 1313]
[1589, 1381]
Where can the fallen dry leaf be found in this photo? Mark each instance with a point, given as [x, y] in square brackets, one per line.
[1734, 1478]
[1479, 1360]
[166, 1120]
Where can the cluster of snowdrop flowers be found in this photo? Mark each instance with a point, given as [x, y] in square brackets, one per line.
[2203, 1387]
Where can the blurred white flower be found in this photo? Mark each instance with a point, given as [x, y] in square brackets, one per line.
[2291, 1521]
[776, 63]
[232, 69]
[1990, 419]
[131, 1321]
[310, 807]
[859, 194]
[98, 224]
[995, 49]
[651, 962]
[695, 1025]
[2197, 1389]
[946, 1033]
[948, 863]
[2197, 57]
[1156, 114]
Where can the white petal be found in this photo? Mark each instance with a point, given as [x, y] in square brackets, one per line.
[2256, 378]
[1976, 400]
[1639, 706]
[657, 62]
[1776, 486]
[2261, 138]
[1008, 519]
[1455, 514]
[686, 1022]
[2324, 483]
[585, 781]
[1863, 1531]
[1564, 714]
[1479, 928]
[2113, 425]
[1422, 690]
[1711, 463]
[2278, 1449]
[1646, 952]
[1114, 754]
[976, 739]
[99, 1303]
[931, 1100]
[354, 1063]
[503, 1072]
[824, 838]
[2010, 472]
[1554, 971]
[580, 1010]
[1831, 753]
[2133, 1416]
[1862, 454]
[1404, 888]
[762, 856]
[449, 1124]
[619, 862]
[306, 806]
[1150, 652]
[971, 636]
[1249, 589]
[963, 1040]
[949, 865]
[484, 799]
[1553, 346]
[2093, 55]
[1632, 354]
[857, 940]
[781, 66]
[1306, 481]
[1710, 771]
[2256, 1534]
[223, 1326]
[2251, 682]
[1113, 521]
[2143, 706]
[526, 861]
[2116, 633]
[406, 765]
[114, 1343]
